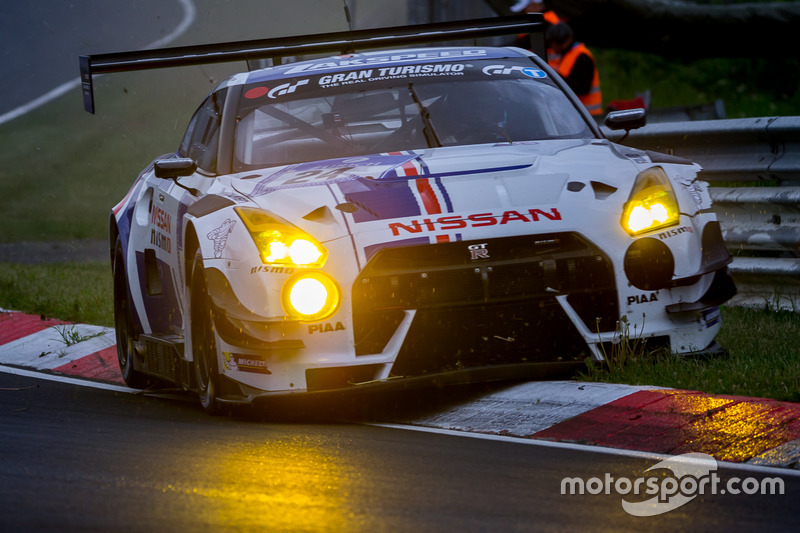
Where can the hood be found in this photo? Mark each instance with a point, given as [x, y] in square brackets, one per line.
[337, 197]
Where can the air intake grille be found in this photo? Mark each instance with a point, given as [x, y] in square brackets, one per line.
[160, 360]
[524, 273]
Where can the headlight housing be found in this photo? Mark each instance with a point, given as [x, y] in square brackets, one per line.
[281, 243]
[311, 296]
[651, 205]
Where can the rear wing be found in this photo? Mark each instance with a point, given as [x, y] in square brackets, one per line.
[327, 43]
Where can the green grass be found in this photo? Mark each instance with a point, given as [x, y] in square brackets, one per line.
[63, 169]
[763, 360]
[79, 292]
[748, 87]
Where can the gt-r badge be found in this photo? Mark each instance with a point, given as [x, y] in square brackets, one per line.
[478, 251]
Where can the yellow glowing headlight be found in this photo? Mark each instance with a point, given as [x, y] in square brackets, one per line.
[651, 205]
[311, 296]
[279, 242]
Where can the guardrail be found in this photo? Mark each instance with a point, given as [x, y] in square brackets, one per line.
[758, 162]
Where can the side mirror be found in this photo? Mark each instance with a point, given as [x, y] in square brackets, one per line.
[175, 168]
[628, 119]
[172, 169]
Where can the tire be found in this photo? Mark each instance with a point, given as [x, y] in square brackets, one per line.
[204, 344]
[123, 325]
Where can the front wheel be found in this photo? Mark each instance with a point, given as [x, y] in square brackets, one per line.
[204, 344]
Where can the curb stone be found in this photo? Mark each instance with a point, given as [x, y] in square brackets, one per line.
[740, 429]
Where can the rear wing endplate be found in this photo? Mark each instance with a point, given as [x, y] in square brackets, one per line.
[327, 43]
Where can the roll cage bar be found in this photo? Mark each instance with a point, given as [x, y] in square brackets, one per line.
[343, 42]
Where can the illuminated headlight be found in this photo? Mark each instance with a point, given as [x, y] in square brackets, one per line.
[651, 205]
[281, 243]
[311, 296]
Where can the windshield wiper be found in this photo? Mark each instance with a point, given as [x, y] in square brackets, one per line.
[427, 130]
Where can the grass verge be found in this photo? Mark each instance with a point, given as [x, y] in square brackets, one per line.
[62, 170]
[79, 292]
[763, 360]
[748, 87]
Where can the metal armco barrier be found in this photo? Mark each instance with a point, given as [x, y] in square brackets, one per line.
[760, 224]
[747, 149]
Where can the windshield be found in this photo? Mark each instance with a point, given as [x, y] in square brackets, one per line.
[372, 111]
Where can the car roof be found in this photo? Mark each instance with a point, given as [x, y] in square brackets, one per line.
[376, 59]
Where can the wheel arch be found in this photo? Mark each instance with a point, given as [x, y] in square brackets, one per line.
[190, 248]
[113, 233]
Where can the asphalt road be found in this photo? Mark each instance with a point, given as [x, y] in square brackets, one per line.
[78, 459]
[40, 41]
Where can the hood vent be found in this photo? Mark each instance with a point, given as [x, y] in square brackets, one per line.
[602, 191]
[321, 215]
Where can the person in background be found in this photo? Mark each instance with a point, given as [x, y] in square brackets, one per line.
[533, 6]
[575, 63]
[536, 6]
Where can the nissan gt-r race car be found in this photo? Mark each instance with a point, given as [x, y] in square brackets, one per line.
[408, 213]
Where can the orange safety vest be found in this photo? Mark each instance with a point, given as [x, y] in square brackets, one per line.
[551, 17]
[593, 100]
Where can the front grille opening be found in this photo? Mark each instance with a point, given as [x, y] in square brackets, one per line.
[373, 330]
[598, 310]
[488, 308]
[442, 340]
[445, 274]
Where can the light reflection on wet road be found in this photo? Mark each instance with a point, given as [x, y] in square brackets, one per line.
[73, 458]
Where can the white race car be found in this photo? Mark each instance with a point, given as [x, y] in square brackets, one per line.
[439, 212]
